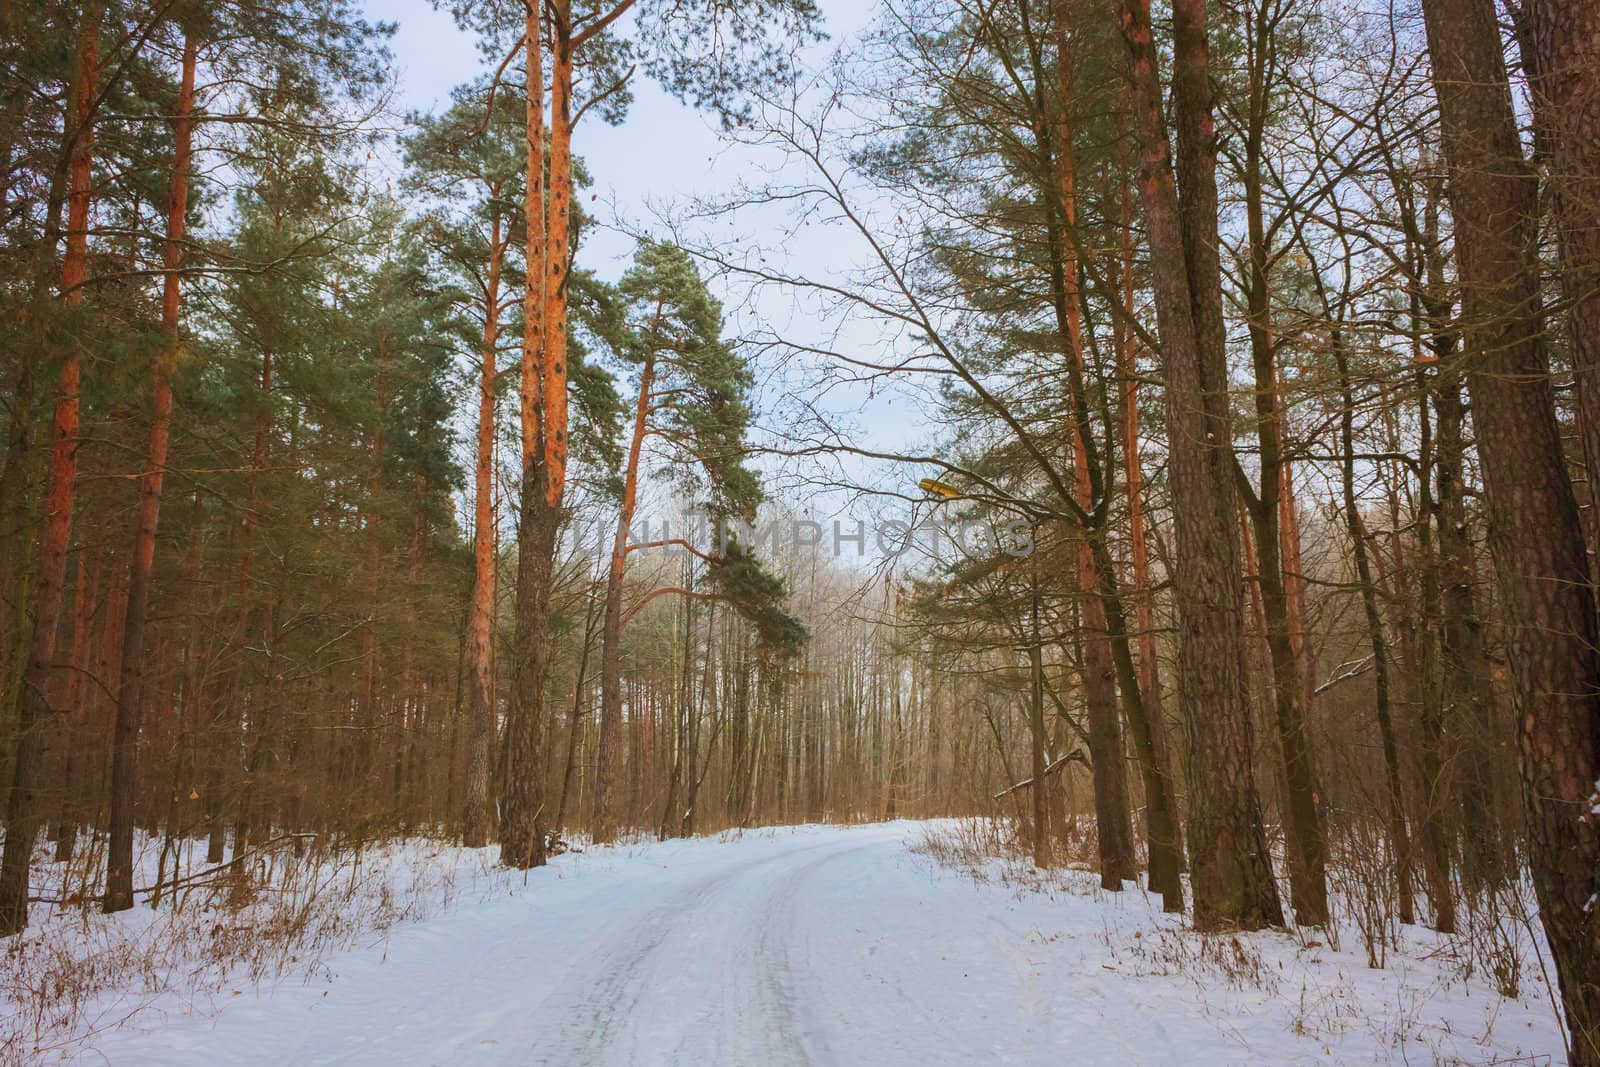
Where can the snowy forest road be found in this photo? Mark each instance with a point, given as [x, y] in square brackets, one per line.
[824, 945]
[703, 974]
[768, 950]
[816, 945]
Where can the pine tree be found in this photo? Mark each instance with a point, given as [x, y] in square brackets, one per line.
[692, 402]
[475, 148]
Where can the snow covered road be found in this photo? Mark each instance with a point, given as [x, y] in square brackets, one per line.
[823, 945]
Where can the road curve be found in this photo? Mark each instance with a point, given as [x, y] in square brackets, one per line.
[755, 950]
[817, 945]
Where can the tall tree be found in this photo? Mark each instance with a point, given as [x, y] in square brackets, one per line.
[1561, 57]
[1230, 864]
[1267, 503]
[710, 68]
[521, 834]
[1534, 531]
[22, 819]
[692, 400]
[130, 690]
[476, 148]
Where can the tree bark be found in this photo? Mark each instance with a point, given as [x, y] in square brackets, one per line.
[23, 809]
[73, 731]
[1166, 859]
[1109, 767]
[130, 692]
[1038, 746]
[1435, 843]
[575, 727]
[1564, 74]
[1534, 530]
[610, 743]
[1229, 861]
[475, 819]
[521, 803]
[1467, 698]
[1459, 700]
[558, 256]
[1304, 835]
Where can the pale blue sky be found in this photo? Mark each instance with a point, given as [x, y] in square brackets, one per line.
[664, 153]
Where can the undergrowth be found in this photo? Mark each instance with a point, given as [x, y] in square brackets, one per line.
[76, 973]
[1495, 945]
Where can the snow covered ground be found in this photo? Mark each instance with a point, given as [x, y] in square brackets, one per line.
[827, 945]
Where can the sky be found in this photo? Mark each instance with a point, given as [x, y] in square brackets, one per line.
[663, 154]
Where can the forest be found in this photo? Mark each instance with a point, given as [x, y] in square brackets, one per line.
[1152, 439]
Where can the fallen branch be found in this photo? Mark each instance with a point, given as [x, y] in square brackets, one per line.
[189, 879]
[1343, 673]
[1075, 754]
[238, 859]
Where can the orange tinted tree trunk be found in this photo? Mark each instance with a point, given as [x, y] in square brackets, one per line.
[1108, 652]
[480, 613]
[521, 840]
[22, 818]
[1108, 766]
[610, 747]
[1149, 677]
[130, 691]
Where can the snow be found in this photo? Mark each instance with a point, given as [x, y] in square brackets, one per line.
[824, 945]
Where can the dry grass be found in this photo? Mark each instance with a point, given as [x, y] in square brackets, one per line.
[999, 849]
[1496, 941]
[77, 973]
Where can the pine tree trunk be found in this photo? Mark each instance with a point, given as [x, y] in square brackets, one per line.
[1039, 742]
[1166, 857]
[1436, 860]
[1304, 837]
[708, 695]
[522, 842]
[1305, 845]
[19, 480]
[739, 741]
[1467, 697]
[1229, 862]
[186, 749]
[130, 693]
[23, 804]
[20, 473]
[609, 762]
[1564, 71]
[558, 257]
[73, 728]
[373, 720]
[412, 722]
[1112, 822]
[480, 619]
[575, 726]
[1109, 768]
[1458, 699]
[1534, 530]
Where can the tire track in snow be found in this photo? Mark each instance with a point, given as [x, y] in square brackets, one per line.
[704, 976]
